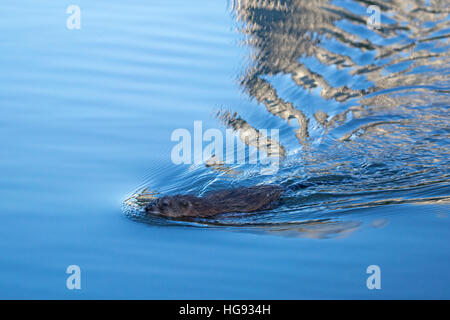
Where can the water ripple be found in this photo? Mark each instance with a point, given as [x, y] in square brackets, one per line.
[363, 114]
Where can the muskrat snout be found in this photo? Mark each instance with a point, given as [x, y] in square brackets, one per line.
[152, 207]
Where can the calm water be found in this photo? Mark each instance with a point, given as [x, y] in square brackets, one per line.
[87, 115]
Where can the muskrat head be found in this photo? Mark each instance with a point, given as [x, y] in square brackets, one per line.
[177, 206]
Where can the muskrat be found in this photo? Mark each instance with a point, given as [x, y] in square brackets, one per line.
[239, 200]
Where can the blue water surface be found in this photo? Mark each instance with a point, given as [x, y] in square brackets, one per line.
[87, 117]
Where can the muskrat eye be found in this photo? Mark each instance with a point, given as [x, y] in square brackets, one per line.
[164, 203]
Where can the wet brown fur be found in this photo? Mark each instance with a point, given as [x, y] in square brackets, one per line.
[240, 200]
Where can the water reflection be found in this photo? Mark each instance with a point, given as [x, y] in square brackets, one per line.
[289, 37]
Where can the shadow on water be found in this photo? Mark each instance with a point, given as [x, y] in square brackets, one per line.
[362, 112]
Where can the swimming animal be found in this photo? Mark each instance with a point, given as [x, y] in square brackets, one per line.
[239, 200]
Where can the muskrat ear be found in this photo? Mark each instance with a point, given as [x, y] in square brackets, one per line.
[184, 203]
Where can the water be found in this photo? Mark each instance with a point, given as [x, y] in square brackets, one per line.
[86, 122]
